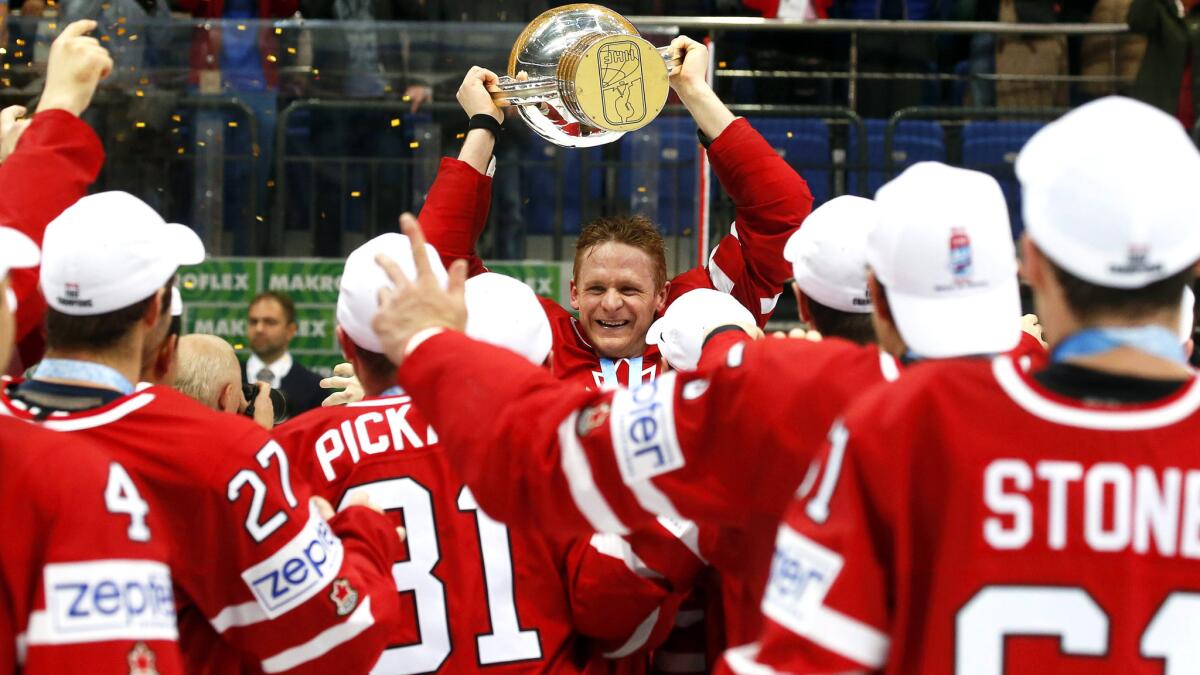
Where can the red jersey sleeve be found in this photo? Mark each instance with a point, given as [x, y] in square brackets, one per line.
[302, 594]
[771, 201]
[826, 605]
[526, 443]
[456, 211]
[55, 161]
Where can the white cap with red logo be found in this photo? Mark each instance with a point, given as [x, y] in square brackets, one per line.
[363, 278]
[943, 250]
[110, 250]
[1109, 193]
[829, 253]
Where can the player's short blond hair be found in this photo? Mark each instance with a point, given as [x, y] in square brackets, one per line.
[636, 231]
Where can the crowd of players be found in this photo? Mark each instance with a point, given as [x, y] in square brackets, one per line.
[917, 485]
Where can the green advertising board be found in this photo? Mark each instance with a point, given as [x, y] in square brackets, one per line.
[217, 293]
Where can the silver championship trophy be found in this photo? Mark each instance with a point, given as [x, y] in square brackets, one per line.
[591, 77]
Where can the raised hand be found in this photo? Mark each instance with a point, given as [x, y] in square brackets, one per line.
[474, 96]
[76, 66]
[412, 306]
[343, 378]
[12, 124]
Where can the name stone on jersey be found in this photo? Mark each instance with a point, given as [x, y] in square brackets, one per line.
[642, 424]
[299, 569]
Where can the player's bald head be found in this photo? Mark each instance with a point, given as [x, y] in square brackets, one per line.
[207, 364]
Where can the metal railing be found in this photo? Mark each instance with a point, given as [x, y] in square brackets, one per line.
[296, 188]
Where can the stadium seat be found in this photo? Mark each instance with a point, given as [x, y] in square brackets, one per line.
[912, 141]
[542, 167]
[805, 144]
[992, 147]
[658, 175]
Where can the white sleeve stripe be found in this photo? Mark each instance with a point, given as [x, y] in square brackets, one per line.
[233, 616]
[743, 660]
[838, 633]
[685, 531]
[100, 419]
[654, 500]
[615, 546]
[320, 645]
[720, 280]
[767, 305]
[584, 491]
[638, 639]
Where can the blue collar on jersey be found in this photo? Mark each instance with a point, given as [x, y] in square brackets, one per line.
[1155, 340]
[393, 390]
[83, 371]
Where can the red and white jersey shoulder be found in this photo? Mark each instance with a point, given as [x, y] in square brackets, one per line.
[83, 570]
[249, 552]
[967, 520]
[475, 594]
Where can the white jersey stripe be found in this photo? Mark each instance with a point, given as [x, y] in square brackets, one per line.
[320, 645]
[838, 633]
[638, 639]
[743, 660]
[236, 616]
[584, 490]
[1034, 403]
[80, 422]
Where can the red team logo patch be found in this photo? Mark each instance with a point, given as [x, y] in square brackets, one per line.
[344, 597]
[591, 418]
[141, 660]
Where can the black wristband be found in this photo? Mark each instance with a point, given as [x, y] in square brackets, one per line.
[485, 121]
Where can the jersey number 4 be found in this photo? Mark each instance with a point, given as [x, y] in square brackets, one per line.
[507, 643]
[121, 496]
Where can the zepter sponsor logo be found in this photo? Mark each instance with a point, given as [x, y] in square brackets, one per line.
[105, 600]
[298, 570]
[801, 573]
[643, 430]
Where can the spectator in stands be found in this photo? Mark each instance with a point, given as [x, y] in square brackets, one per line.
[270, 327]
[506, 224]
[892, 53]
[1167, 78]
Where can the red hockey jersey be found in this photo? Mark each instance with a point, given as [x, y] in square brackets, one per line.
[968, 520]
[54, 163]
[475, 594]
[771, 202]
[83, 571]
[251, 558]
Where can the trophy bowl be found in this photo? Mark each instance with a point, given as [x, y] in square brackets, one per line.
[590, 76]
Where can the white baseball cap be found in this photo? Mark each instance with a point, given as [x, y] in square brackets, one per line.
[1109, 193]
[110, 250]
[16, 252]
[506, 312]
[943, 250]
[680, 331]
[363, 278]
[829, 254]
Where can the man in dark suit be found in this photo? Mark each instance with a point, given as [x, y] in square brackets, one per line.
[270, 326]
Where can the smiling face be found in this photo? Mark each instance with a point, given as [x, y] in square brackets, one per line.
[616, 293]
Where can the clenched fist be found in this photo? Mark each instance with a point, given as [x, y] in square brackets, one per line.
[77, 64]
[474, 96]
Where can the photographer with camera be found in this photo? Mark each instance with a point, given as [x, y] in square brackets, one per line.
[208, 372]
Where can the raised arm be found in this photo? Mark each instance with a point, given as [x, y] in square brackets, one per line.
[770, 197]
[57, 155]
[456, 208]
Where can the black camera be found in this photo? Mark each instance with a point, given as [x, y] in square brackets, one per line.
[278, 402]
